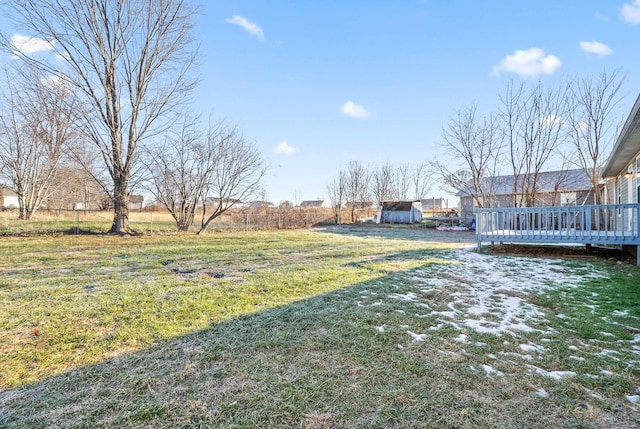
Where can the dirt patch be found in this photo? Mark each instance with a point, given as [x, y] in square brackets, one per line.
[576, 252]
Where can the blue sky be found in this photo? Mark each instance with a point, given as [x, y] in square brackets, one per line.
[318, 83]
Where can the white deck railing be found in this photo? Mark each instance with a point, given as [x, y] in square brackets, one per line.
[600, 224]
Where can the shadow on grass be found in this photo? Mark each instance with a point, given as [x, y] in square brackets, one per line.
[317, 363]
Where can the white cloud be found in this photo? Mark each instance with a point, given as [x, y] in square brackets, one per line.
[631, 12]
[285, 148]
[551, 121]
[354, 110]
[25, 45]
[247, 25]
[595, 48]
[530, 63]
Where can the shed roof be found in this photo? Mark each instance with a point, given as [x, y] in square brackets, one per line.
[627, 144]
[400, 206]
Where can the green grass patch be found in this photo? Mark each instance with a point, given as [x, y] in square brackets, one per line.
[335, 328]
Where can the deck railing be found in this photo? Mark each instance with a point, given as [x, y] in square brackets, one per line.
[598, 224]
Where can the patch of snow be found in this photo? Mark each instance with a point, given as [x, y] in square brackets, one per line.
[542, 393]
[380, 328]
[578, 358]
[556, 375]
[489, 370]
[462, 338]
[416, 337]
[634, 399]
[410, 296]
[605, 372]
[531, 348]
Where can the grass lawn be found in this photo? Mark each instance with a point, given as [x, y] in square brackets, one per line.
[339, 327]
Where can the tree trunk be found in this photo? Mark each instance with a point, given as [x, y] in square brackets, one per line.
[120, 224]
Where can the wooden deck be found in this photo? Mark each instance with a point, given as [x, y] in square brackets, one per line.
[617, 224]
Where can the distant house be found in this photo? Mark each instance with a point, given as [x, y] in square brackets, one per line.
[554, 188]
[622, 170]
[259, 205]
[312, 204]
[399, 212]
[136, 202]
[8, 198]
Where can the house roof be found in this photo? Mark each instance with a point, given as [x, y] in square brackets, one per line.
[312, 203]
[627, 145]
[548, 181]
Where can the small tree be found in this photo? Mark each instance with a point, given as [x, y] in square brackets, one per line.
[382, 179]
[357, 186]
[477, 145]
[421, 181]
[215, 172]
[178, 171]
[337, 190]
[235, 175]
[593, 107]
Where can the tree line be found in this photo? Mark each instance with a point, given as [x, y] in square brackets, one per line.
[359, 186]
[104, 109]
[537, 127]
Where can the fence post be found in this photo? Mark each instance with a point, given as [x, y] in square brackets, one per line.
[77, 222]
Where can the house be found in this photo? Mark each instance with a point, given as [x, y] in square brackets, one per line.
[259, 205]
[399, 212]
[136, 202]
[617, 222]
[8, 198]
[312, 204]
[554, 188]
[621, 172]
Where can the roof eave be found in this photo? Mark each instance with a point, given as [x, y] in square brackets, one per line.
[627, 144]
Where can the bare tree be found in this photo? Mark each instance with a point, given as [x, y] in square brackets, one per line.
[235, 175]
[36, 124]
[421, 181]
[382, 179]
[357, 176]
[592, 108]
[533, 126]
[337, 190]
[477, 144]
[178, 171]
[128, 59]
[403, 181]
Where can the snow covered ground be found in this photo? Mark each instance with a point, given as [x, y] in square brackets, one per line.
[489, 294]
